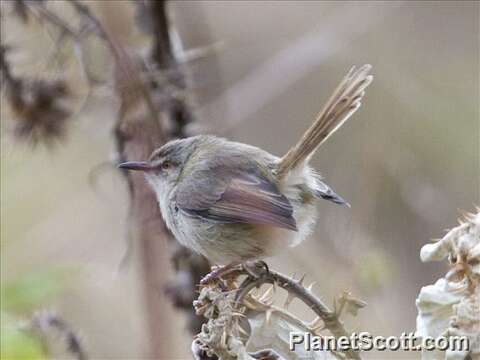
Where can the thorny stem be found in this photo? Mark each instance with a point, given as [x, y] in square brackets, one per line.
[294, 287]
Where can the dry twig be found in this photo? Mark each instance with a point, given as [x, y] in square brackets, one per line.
[224, 302]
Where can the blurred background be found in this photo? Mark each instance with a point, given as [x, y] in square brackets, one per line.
[407, 162]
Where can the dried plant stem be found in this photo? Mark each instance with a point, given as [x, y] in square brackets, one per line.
[139, 129]
[138, 132]
[296, 289]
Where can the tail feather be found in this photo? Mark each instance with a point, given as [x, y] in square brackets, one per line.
[345, 100]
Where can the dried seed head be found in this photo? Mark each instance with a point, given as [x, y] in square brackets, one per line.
[451, 305]
[39, 109]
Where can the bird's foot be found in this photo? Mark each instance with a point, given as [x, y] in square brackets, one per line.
[217, 272]
[256, 269]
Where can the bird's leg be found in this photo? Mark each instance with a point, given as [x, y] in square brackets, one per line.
[216, 273]
[256, 269]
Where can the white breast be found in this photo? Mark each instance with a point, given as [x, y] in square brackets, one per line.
[305, 214]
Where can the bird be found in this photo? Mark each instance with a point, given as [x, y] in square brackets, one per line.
[236, 203]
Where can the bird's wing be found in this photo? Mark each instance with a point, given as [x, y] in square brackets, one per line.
[225, 195]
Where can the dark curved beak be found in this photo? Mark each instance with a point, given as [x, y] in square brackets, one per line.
[136, 165]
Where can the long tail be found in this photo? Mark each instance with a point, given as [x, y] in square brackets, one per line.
[342, 104]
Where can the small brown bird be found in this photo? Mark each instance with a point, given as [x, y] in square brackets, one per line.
[233, 202]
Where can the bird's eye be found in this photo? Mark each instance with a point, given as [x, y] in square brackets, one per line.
[166, 165]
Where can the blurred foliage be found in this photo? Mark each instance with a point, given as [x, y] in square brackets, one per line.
[18, 344]
[32, 290]
[19, 299]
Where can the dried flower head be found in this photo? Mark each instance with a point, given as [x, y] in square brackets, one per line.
[38, 106]
[461, 246]
[39, 109]
[451, 306]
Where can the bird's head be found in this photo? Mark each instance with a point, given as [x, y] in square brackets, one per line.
[165, 164]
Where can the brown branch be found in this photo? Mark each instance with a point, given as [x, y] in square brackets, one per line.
[137, 135]
[178, 113]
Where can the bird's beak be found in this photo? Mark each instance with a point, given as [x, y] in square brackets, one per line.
[136, 165]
